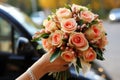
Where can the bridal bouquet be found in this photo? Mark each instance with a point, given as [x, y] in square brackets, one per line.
[76, 34]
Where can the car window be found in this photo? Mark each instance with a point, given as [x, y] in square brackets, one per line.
[8, 37]
[5, 33]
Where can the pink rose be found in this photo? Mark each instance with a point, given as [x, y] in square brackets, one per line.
[68, 56]
[56, 38]
[50, 25]
[46, 44]
[89, 55]
[95, 32]
[87, 16]
[79, 41]
[68, 25]
[63, 13]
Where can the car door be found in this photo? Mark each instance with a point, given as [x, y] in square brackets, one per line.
[8, 38]
[12, 60]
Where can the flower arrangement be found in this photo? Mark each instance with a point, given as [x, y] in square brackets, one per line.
[76, 34]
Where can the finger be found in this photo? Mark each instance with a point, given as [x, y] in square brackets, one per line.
[65, 67]
[63, 61]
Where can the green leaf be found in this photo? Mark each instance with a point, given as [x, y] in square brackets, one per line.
[94, 22]
[55, 55]
[80, 22]
[89, 7]
[35, 39]
[88, 25]
[45, 35]
[53, 10]
[65, 40]
[99, 54]
[68, 7]
[105, 33]
[79, 62]
[48, 18]
[77, 69]
[65, 75]
[98, 51]
[81, 9]
[91, 63]
[42, 26]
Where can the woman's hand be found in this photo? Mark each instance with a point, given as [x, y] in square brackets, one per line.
[43, 66]
[56, 66]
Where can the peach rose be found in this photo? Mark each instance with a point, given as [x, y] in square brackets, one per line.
[87, 16]
[95, 32]
[68, 56]
[89, 55]
[79, 41]
[68, 25]
[56, 38]
[63, 13]
[102, 42]
[50, 25]
[78, 8]
[46, 44]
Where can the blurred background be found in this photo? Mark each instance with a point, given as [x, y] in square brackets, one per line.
[101, 7]
[108, 10]
[43, 7]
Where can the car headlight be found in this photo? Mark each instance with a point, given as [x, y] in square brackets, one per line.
[112, 17]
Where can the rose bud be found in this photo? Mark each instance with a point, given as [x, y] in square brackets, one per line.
[68, 56]
[79, 41]
[67, 48]
[66, 36]
[89, 55]
[62, 48]
[42, 31]
[68, 25]
[38, 34]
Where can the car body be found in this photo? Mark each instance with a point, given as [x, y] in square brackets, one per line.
[114, 14]
[18, 52]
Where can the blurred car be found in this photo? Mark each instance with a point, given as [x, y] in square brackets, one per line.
[114, 14]
[18, 53]
[38, 17]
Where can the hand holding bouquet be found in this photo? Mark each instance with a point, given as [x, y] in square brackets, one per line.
[74, 33]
